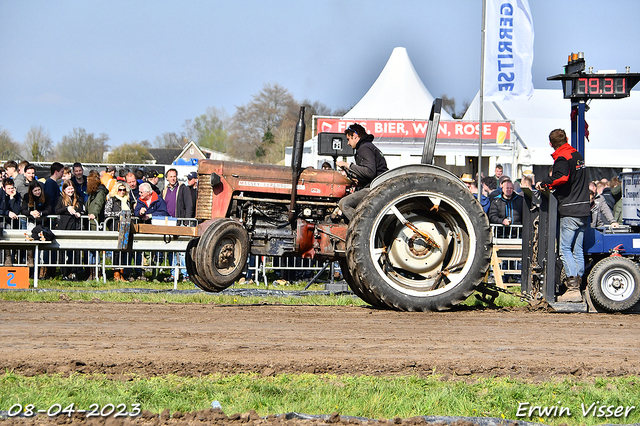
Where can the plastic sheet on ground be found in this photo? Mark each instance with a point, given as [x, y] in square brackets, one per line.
[448, 420]
[247, 292]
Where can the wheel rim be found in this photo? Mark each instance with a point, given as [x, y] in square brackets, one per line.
[617, 284]
[225, 254]
[412, 264]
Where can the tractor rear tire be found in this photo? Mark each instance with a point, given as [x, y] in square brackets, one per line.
[354, 285]
[401, 268]
[222, 253]
[614, 283]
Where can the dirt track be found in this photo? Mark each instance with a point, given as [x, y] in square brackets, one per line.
[153, 339]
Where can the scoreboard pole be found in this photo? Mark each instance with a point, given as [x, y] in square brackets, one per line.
[578, 125]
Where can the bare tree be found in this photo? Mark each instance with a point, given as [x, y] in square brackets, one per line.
[311, 109]
[259, 130]
[254, 127]
[82, 146]
[209, 130]
[9, 149]
[341, 111]
[169, 140]
[245, 135]
[133, 153]
[315, 108]
[37, 144]
[282, 137]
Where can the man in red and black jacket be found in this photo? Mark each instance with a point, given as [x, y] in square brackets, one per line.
[571, 188]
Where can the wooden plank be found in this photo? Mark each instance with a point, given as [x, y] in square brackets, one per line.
[143, 228]
[496, 266]
[497, 271]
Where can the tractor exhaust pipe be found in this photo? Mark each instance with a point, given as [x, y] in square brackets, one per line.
[431, 137]
[296, 162]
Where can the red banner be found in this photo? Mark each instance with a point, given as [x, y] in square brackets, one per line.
[496, 132]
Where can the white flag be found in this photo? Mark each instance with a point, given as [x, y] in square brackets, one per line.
[508, 50]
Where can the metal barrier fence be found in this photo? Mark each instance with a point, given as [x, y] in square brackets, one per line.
[511, 234]
[506, 258]
[94, 249]
[289, 268]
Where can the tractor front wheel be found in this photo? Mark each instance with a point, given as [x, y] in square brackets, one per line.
[222, 253]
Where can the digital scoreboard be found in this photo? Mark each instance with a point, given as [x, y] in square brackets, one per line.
[577, 84]
[598, 86]
[581, 87]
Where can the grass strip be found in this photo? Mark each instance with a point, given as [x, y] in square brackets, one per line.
[168, 297]
[366, 396]
[159, 284]
[51, 290]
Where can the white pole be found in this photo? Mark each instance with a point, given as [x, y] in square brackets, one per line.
[481, 98]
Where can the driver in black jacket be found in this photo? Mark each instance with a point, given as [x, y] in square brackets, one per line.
[369, 164]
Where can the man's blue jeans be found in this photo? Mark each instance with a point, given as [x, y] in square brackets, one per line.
[572, 244]
[177, 258]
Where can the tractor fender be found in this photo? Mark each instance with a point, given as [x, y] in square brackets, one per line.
[417, 169]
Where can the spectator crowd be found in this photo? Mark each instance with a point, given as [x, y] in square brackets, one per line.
[80, 200]
[502, 199]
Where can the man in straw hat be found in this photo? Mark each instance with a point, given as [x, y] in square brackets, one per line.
[473, 187]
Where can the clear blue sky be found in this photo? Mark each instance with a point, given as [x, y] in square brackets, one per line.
[135, 69]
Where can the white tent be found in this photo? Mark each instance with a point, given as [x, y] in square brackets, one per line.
[613, 127]
[398, 93]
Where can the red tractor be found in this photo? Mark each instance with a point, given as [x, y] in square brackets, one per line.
[418, 242]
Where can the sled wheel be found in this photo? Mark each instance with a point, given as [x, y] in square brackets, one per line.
[363, 294]
[189, 258]
[434, 261]
[222, 253]
[614, 283]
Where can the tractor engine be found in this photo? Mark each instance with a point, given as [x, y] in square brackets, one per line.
[258, 197]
